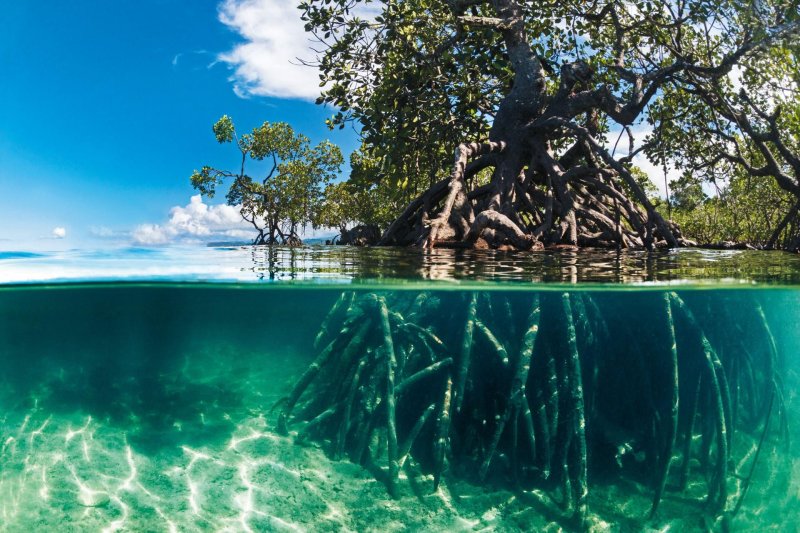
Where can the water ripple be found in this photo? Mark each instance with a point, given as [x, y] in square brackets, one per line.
[398, 266]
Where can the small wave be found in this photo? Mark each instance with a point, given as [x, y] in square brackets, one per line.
[20, 255]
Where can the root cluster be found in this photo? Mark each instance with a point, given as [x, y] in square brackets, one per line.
[540, 389]
[546, 202]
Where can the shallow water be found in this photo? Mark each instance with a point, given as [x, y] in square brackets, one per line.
[325, 265]
[152, 407]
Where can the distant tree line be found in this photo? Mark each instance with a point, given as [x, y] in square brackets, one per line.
[744, 210]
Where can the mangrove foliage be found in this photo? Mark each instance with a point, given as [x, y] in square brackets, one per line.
[547, 107]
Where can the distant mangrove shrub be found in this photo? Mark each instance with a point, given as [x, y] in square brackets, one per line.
[288, 196]
[743, 210]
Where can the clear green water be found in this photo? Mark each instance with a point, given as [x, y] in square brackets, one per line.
[136, 407]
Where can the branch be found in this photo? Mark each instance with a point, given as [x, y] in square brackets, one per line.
[712, 96]
[750, 47]
[486, 22]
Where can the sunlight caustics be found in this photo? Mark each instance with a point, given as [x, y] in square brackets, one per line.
[160, 408]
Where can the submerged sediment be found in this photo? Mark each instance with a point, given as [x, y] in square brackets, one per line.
[551, 391]
[166, 408]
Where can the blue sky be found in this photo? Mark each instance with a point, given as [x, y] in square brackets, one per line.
[107, 107]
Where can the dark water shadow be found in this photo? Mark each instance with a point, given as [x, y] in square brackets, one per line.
[156, 412]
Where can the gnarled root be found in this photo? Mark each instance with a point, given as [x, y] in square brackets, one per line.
[399, 384]
[534, 198]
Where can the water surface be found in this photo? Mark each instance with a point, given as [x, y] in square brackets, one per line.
[342, 264]
[144, 390]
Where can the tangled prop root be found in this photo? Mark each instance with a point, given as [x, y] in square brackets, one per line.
[407, 382]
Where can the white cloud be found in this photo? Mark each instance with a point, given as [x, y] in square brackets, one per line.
[735, 76]
[266, 63]
[103, 232]
[59, 232]
[195, 222]
[194, 59]
[656, 173]
[653, 171]
[152, 234]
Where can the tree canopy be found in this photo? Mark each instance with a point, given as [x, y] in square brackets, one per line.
[288, 196]
[542, 101]
[742, 210]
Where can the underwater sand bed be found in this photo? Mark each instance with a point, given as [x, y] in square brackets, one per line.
[74, 473]
[130, 409]
[67, 470]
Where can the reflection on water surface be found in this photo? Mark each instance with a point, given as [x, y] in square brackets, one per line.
[326, 264]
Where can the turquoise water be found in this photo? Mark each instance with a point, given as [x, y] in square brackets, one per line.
[312, 394]
[349, 265]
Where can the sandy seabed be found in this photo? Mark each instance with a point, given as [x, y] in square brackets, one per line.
[220, 466]
[78, 474]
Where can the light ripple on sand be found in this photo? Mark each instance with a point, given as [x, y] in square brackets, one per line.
[72, 472]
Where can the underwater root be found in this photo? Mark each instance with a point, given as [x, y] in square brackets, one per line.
[544, 390]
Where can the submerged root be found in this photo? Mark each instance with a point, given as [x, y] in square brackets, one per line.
[400, 384]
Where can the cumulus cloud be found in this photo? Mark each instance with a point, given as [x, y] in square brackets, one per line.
[656, 173]
[195, 222]
[735, 76]
[266, 63]
[152, 234]
[59, 232]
